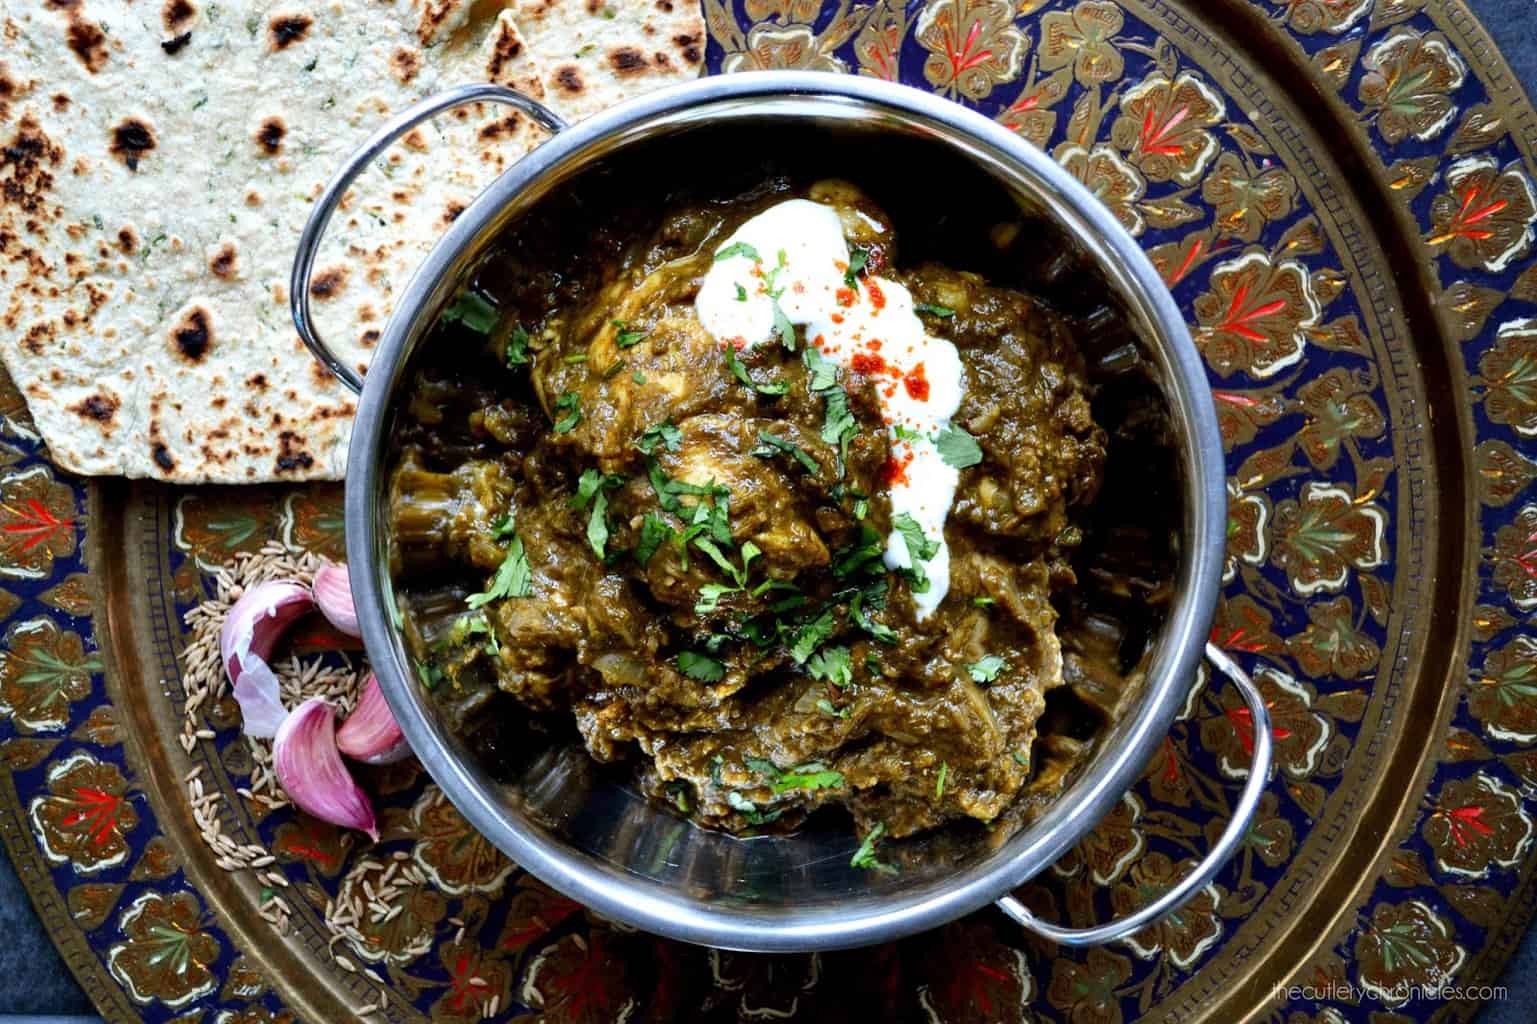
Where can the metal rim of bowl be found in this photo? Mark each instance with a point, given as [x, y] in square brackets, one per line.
[1125, 752]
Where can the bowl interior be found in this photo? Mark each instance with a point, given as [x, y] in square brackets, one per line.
[946, 177]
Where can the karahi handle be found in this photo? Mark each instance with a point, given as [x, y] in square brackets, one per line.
[378, 142]
[1206, 870]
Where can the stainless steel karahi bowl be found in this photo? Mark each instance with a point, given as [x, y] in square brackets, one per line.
[598, 841]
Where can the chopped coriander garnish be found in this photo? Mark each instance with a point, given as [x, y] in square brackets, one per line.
[701, 667]
[738, 249]
[575, 358]
[679, 793]
[773, 444]
[872, 663]
[570, 404]
[943, 312]
[739, 371]
[906, 433]
[824, 372]
[783, 327]
[986, 670]
[839, 427]
[833, 665]
[710, 595]
[811, 635]
[597, 525]
[1020, 759]
[919, 549]
[826, 707]
[814, 775]
[741, 293]
[472, 310]
[613, 371]
[512, 579]
[626, 337]
[662, 434]
[638, 377]
[654, 532]
[749, 810]
[503, 527]
[858, 257]
[939, 786]
[864, 857]
[875, 597]
[430, 675]
[861, 507]
[517, 346]
[591, 483]
[984, 602]
[958, 448]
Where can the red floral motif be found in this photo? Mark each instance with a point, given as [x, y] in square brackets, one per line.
[1299, 732]
[1256, 316]
[1484, 218]
[320, 846]
[973, 45]
[475, 975]
[1163, 125]
[1514, 558]
[86, 816]
[1241, 624]
[312, 521]
[878, 46]
[1325, 533]
[1477, 824]
[969, 977]
[579, 981]
[533, 911]
[37, 522]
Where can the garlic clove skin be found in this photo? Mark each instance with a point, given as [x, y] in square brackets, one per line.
[261, 703]
[311, 771]
[370, 734]
[258, 619]
[333, 595]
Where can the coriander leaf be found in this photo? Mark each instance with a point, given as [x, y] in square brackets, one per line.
[660, 485]
[812, 776]
[958, 448]
[503, 527]
[654, 532]
[939, 786]
[613, 371]
[512, 579]
[824, 372]
[1020, 759]
[430, 675]
[517, 347]
[570, 404]
[875, 597]
[739, 371]
[905, 433]
[738, 249]
[772, 443]
[839, 427]
[919, 549]
[710, 595]
[662, 434]
[872, 663]
[597, 524]
[472, 310]
[826, 707]
[984, 602]
[858, 258]
[590, 483]
[679, 793]
[783, 327]
[741, 293]
[701, 667]
[708, 547]
[986, 670]
[864, 857]
[574, 358]
[833, 665]
[861, 507]
[626, 337]
[749, 810]
[811, 635]
[638, 377]
[943, 312]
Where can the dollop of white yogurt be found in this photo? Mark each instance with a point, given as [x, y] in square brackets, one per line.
[794, 254]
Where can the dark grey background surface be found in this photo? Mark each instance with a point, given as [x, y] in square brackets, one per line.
[34, 980]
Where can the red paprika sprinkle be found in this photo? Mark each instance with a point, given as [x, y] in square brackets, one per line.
[917, 384]
[895, 469]
[877, 297]
[867, 364]
[846, 296]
